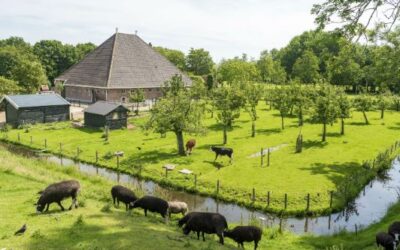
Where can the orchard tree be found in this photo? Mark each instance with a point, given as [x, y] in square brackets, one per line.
[199, 62]
[253, 94]
[364, 103]
[271, 70]
[326, 108]
[227, 101]
[175, 112]
[383, 100]
[237, 70]
[301, 99]
[306, 68]
[344, 105]
[281, 100]
[137, 96]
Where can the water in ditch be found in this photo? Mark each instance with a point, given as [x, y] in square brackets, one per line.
[370, 206]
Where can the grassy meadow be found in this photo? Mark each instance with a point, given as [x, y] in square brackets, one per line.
[319, 169]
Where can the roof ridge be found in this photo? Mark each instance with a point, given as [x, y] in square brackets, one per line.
[111, 60]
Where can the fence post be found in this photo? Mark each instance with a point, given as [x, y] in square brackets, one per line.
[195, 181]
[217, 188]
[268, 157]
[77, 153]
[31, 140]
[308, 202]
[286, 201]
[166, 172]
[331, 199]
[19, 138]
[45, 143]
[262, 157]
[254, 195]
[117, 161]
[268, 198]
[356, 229]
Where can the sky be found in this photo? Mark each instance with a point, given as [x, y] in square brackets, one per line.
[226, 28]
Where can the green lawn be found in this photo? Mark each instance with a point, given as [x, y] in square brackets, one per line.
[320, 168]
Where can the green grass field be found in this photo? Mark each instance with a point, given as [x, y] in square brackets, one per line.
[92, 227]
[320, 168]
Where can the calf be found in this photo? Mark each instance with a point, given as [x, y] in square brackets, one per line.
[190, 145]
[385, 240]
[394, 230]
[120, 193]
[176, 207]
[56, 193]
[242, 234]
[151, 203]
[201, 222]
[222, 151]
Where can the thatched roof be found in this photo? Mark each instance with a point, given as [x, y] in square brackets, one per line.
[122, 61]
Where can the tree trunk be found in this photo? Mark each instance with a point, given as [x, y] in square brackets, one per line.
[283, 123]
[342, 127]
[137, 109]
[225, 136]
[397, 106]
[365, 118]
[324, 132]
[253, 129]
[300, 117]
[382, 113]
[179, 139]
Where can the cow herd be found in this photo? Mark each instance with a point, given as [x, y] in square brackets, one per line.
[197, 222]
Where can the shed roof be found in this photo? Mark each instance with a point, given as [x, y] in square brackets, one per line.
[35, 100]
[123, 61]
[103, 108]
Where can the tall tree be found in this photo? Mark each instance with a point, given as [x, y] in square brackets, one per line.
[175, 112]
[281, 100]
[364, 103]
[137, 96]
[271, 70]
[253, 94]
[326, 108]
[177, 57]
[306, 68]
[344, 105]
[199, 62]
[235, 70]
[227, 102]
[301, 98]
[383, 100]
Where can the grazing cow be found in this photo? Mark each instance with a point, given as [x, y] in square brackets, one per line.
[123, 194]
[222, 151]
[242, 234]
[56, 193]
[386, 240]
[201, 222]
[190, 145]
[394, 230]
[176, 207]
[151, 203]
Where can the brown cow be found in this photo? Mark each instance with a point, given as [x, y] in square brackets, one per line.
[190, 145]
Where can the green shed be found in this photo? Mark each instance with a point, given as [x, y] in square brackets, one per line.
[103, 114]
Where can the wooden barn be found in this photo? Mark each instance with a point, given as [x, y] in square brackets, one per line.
[121, 64]
[35, 108]
[103, 114]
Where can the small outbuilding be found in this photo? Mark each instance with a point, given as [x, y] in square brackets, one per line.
[109, 114]
[34, 108]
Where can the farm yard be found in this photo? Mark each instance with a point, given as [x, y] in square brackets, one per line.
[320, 168]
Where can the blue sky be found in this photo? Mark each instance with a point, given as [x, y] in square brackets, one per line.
[225, 28]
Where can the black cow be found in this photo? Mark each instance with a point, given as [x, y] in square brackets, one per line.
[56, 193]
[123, 194]
[394, 230]
[222, 151]
[242, 234]
[386, 240]
[151, 203]
[201, 222]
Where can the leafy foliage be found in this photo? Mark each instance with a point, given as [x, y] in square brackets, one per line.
[199, 61]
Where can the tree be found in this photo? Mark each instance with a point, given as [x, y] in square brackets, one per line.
[176, 57]
[271, 70]
[301, 99]
[227, 102]
[199, 62]
[344, 106]
[253, 94]
[8, 86]
[383, 100]
[82, 49]
[137, 96]
[17, 42]
[356, 17]
[306, 68]
[364, 103]
[175, 112]
[326, 107]
[235, 70]
[281, 100]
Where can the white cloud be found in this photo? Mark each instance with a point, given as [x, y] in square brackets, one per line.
[225, 28]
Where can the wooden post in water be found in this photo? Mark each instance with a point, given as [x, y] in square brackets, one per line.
[268, 157]
[331, 199]
[286, 201]
[308, 202]
[268, 198]
[97, 156]
[262, 157]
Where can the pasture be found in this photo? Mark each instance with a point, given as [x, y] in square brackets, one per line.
[321, 167]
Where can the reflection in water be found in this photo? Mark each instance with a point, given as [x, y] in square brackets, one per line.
[369, 207]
